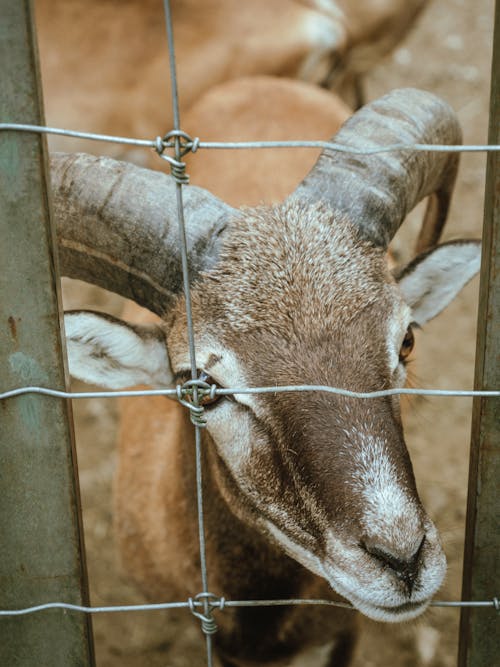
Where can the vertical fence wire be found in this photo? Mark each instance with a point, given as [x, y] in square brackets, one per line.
[206, 617]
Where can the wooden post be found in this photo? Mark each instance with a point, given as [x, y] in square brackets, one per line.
[479, 628]
[41, 546]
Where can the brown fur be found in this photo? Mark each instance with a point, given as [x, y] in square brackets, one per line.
[258, 109]
[155, 489]
[155, 510]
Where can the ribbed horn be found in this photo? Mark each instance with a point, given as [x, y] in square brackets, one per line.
[117, 227]
[377, 191]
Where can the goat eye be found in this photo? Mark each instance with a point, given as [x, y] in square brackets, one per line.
[207, 399]
[407, 345]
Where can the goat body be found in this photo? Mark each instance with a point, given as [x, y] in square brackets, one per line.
[121, 59]
[306, 494]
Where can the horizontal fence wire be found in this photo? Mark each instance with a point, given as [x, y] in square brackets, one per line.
[195, 144]
[223, 603]
[217, 391]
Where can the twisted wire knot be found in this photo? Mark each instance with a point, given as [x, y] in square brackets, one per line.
[197, 416]
[194, 389]
[496, 604]
[183, 144]
[211, 601]
[177, 169]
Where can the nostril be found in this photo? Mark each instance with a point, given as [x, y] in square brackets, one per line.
[404, 567]
[396, 561]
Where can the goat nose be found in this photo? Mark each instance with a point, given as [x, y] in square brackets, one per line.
[405, 568]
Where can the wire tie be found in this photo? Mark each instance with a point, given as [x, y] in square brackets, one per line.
[196, 412]
[177, 169]
[159, 146]
[496, 604]
[197, 416]
[195, 145]
[197, 382]
[208, 624]
[184, 144]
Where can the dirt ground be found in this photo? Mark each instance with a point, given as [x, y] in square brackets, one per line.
[449, 53]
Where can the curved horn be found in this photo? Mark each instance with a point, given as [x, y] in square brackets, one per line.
[377, 191]
[117, 227]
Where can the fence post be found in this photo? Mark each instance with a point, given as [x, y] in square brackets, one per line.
[479, 630]
[41, 547]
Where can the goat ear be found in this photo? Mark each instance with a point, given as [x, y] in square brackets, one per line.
[108, 352]
[434, 278]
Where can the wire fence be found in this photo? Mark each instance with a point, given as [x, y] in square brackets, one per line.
[191, 393]
[222, 603]
[190, 144]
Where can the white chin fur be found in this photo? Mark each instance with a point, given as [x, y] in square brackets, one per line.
[375, 591]
[383, 603]
[404, 612]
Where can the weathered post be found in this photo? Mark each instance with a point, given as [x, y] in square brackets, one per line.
[41, 547]
[480, 629]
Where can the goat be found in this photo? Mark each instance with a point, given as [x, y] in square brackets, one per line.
[121, 54]
[260, 108]
[306, 494]
[374, 29]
